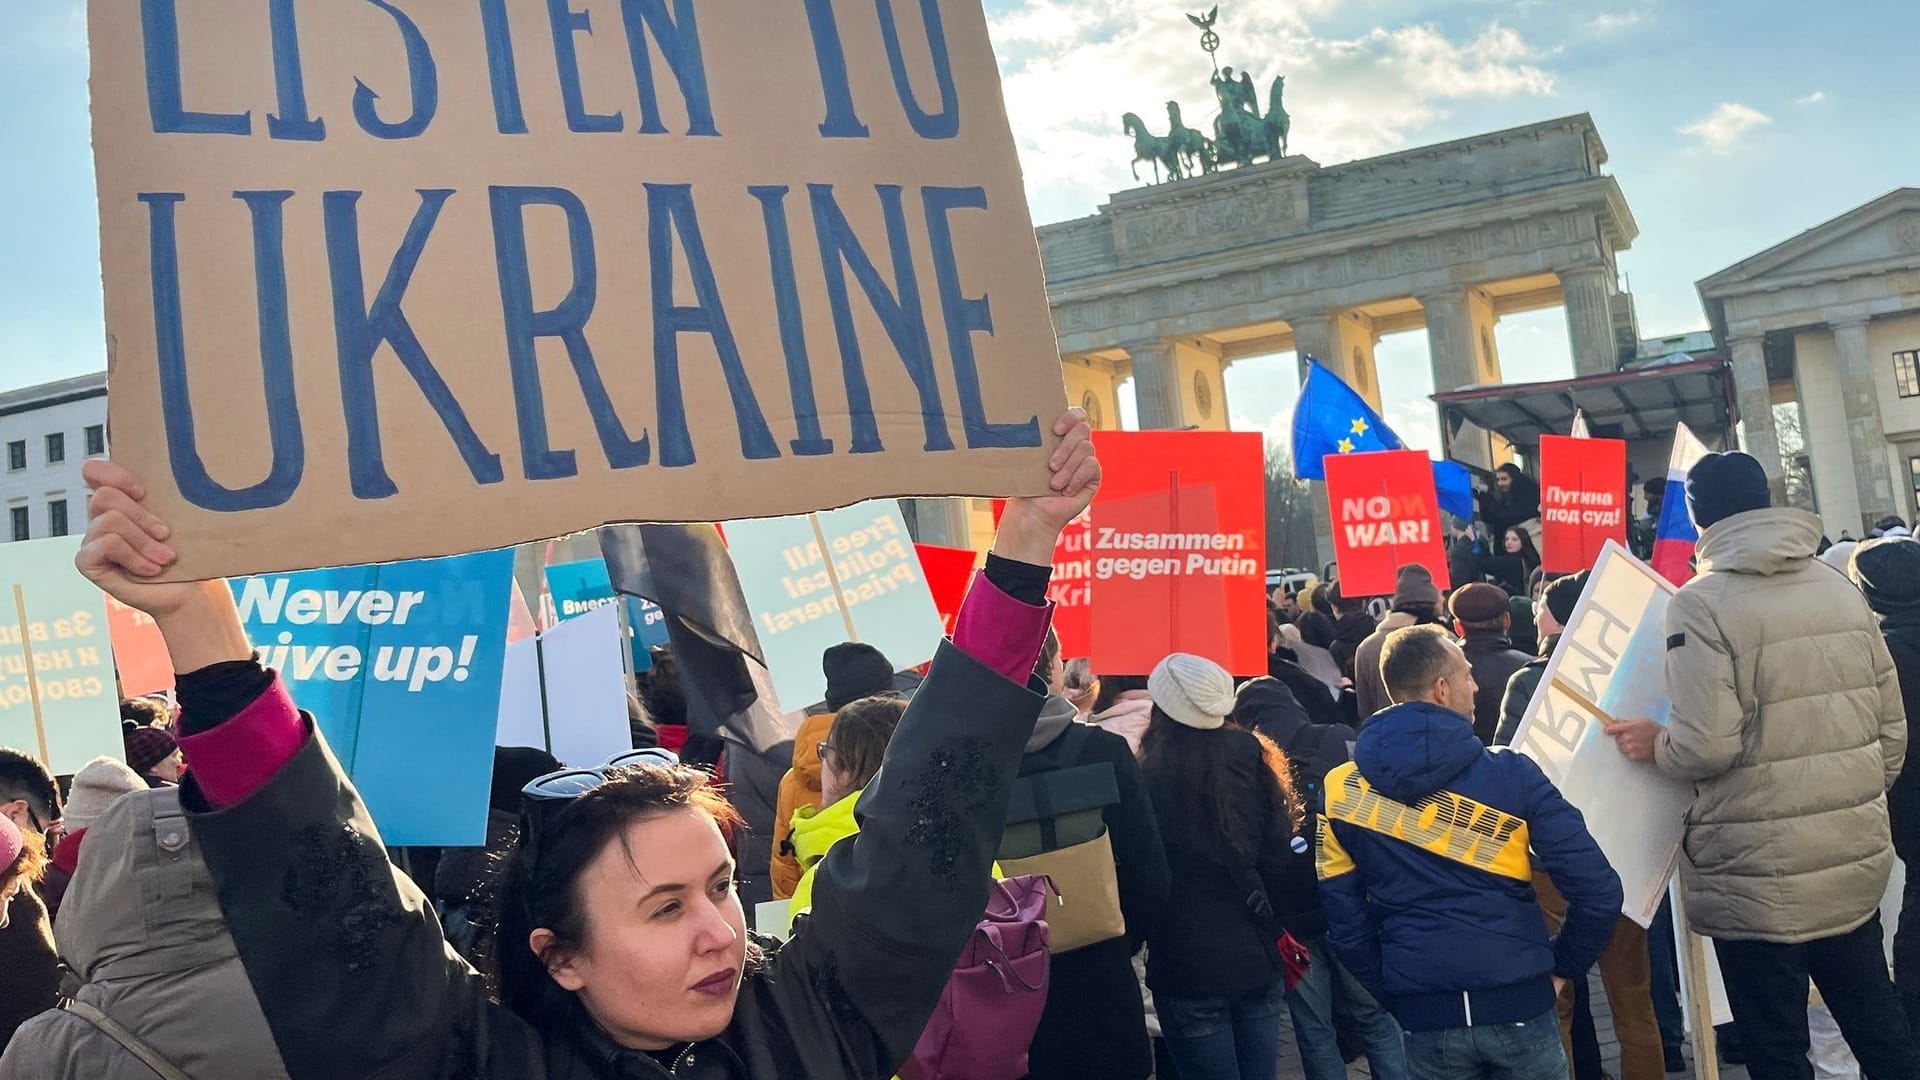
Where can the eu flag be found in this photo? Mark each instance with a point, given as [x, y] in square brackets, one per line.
[1331, 418]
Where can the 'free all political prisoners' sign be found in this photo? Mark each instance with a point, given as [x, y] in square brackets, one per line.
[391, 280]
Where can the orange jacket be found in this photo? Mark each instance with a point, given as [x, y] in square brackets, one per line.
[800, 787]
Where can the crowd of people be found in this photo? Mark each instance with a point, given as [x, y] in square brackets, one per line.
[1344, 841]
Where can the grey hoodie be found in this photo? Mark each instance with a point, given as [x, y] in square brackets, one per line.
[1055, 715]
[143, 929]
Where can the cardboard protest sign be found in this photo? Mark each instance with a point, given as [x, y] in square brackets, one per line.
[57, 695]
[813, 582]
[139, 652]
[1384, 517]
[949, 572]
[581, 587]
[1611, 665]
[1175, 550]
[400, 666]
[466, 275]
[566, 691]
[1583, 500]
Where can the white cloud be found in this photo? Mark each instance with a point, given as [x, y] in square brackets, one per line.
[1814, 98]
[1611, 22]
[1723, 128]
[1072, 67]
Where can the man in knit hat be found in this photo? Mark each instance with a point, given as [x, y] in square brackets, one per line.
[1888, 572]
[1788, 721]
[1416, 602]
[95, 787]
[1484, 621]
[1428, 850]
[153, 754]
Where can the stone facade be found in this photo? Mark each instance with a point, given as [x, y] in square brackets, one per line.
[1166, 281]
[1828, 324]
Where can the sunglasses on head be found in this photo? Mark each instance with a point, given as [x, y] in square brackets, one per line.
[547, 795]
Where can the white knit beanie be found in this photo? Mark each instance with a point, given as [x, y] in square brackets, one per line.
[1193, 690]
[95, 786]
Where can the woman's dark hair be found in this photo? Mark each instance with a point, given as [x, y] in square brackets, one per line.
[859, 737]
[1529, 554]
[543, 887]
[32, 862]
[1112, 686]
[1196, 782]
[1049, 656]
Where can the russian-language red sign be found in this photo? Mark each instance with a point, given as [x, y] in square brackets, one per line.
[948, 572]
[1583, 500]
[1385, 516]
[1177, 550]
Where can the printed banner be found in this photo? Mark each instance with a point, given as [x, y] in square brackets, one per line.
[57, 695]
[400, 666]
[581, 587]
[1583, 492]
[1384, 517]
[949, 573]
[567, 691]
[869, 586]
[1611, 665]
[469, 275]
[1175, 551]
[139, 652]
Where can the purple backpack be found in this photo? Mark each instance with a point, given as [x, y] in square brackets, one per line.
[984, 1024]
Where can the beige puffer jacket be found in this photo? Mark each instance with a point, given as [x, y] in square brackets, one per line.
[1787, 716]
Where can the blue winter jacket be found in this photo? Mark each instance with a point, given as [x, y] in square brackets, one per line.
[1427, 880]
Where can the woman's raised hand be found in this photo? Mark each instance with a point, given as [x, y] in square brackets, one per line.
[1030, 526]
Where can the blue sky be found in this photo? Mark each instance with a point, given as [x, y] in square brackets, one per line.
[1732, 124]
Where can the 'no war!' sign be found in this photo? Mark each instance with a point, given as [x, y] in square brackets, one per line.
[443, 277]
[1385, 516]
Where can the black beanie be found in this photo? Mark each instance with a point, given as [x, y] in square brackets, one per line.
[1722, 485]
[855, 671]
[514, 767]
[1888, 571]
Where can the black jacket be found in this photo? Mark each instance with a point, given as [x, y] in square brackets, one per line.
[1308, 691]
[1210, 943]
[1903, 802]
[356, 980]
[1095, 1025]
[1348, 632]
[1519, 693]
[1494, 661]
[29, 967]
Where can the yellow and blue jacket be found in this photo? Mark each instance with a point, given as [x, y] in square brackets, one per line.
[1426, 857]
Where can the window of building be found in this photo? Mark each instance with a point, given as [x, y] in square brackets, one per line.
[56, 448]
[96, 440]
[1913, 469]
[16, 455]
[22, 523]
[57, 517]
[1906, 372]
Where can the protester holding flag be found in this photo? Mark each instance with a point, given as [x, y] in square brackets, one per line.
[1888, 572]
[1512, 503]
[1332, 418]
[1787, 719]
[635, 958]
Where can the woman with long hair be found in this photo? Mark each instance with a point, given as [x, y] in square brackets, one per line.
[635, 960]
[1228, 818]
[850, 756]
[1512, 566]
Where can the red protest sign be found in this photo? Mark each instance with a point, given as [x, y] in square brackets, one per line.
[1177, 550]
[1583, 491]
[1070, 591]
[1385, 516]
[139, 653]
[948, 572]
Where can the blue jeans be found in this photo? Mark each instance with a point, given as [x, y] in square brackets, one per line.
[1526, 1051]
[1312, 1006]
[1223, 1038]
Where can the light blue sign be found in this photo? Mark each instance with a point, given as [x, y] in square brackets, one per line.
[867, 585]
[580, 587]
[400, 666]
[58, 700]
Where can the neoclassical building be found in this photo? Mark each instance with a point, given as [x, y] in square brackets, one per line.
[1823, 335]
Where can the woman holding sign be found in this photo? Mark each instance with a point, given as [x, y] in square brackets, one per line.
[638, 963]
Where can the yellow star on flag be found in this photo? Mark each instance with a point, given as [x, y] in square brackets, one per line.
[1359, 427]
[1346, 446]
